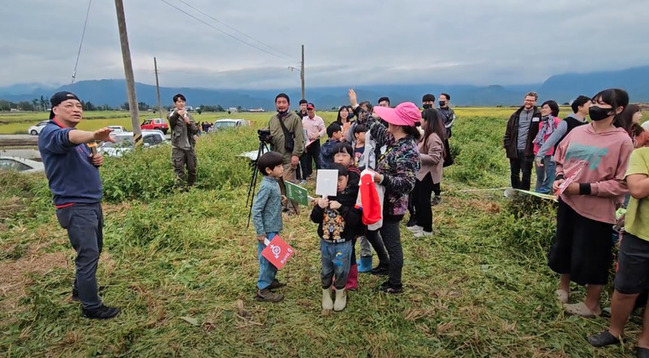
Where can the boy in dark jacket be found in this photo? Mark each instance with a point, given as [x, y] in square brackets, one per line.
[335, 133]
[338, 222]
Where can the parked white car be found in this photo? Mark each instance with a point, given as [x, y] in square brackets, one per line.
[117, 129]
[20, 164]
[230, 123]
[36, 129]
[124, 142]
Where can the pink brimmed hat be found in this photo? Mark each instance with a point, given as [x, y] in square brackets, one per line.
[405, 114]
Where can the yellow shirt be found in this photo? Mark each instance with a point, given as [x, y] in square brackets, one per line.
[637, 214]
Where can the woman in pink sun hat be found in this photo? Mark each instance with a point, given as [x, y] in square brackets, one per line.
[396, 170]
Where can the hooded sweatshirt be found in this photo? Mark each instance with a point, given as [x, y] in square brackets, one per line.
[603, 159]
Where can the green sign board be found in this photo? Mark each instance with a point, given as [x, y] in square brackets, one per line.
[297, 193]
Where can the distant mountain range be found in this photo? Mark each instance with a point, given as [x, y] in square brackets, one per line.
[562, 88]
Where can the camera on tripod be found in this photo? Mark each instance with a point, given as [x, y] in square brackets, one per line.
[264, 135]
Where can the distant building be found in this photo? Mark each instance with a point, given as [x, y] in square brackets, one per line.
[256, 109]
[232, 110]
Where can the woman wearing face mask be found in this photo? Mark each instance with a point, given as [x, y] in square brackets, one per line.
[630, 121]
[545, 164]
[593, 159]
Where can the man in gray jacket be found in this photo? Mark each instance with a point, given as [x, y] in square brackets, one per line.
[183, 130]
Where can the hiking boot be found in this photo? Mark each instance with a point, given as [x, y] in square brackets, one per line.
[101, 312]
[266, 295]
[381, 270]
[276, 284]
[436, 200]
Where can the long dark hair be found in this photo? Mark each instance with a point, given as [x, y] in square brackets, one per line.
[616, 97]
[339, 118]
[626, 120]
[432, 124]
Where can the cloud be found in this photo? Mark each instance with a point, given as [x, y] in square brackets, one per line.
[346, 43]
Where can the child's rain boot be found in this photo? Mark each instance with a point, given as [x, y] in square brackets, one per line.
[366, 264]
[352, 278]
[341, 300]
[327, 302]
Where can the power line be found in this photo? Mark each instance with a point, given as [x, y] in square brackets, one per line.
[83, 34]
[219, 30]
[233, 29]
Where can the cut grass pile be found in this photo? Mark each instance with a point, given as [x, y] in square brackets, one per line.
[183, 268]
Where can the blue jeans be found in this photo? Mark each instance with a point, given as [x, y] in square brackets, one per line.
[545, 175]
[267, 270]
[84, 223]
[336, 260]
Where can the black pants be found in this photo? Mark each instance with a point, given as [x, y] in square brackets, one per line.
[392, 253]
[311, 154]
[519, 165]
[421, 194]
[436, 188]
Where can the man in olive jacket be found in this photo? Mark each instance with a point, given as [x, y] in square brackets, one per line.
[290, 148]
[522, 128]
[183, 130]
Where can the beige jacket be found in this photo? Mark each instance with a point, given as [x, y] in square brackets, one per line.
[433, 160]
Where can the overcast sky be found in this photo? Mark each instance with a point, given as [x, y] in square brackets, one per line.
[347, 42]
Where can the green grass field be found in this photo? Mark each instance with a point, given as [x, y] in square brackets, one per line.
[182, 266]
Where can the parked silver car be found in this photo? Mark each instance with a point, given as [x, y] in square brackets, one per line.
[124, 142]
[20, 164]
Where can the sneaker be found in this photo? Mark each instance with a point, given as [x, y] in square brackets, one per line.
[423, 233]
[101, 312]
[436, 200]
[415, 228]
[303, 182]
[381, 270]
[387, 287]
[266, 295]
[276, 284]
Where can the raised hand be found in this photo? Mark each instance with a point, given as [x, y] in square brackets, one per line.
[103, 135]
[352, 98]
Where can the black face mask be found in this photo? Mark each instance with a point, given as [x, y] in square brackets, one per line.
[442, 103]
[282, 114]
[597, 113]
[428, 106]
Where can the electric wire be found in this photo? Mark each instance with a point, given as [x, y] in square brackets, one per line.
[221, 31]
[83, 34]
[233, 29]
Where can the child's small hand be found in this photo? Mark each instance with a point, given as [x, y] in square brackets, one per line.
[334, 205]
[261, 238]
[284, 199]
[322, 202]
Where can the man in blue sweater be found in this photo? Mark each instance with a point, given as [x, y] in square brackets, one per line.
[72, 170]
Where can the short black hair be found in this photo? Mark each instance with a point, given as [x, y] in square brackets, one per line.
[283, 95]
[579, 102]
[553, 106]
[333, 128]
[269, 160]
[383, 99]
[428, 98]
[179, 95]
[360, 128]
[301, 101]
[448, 96]
[366, 104]
[342, 171]
[344, 147]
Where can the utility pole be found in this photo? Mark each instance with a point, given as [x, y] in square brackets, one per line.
[302, 72]
[157, 86]
[128, 72]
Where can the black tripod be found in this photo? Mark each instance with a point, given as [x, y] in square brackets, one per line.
[263, 148]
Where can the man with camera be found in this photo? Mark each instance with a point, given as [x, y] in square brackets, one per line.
[287, 139]
[183, 130]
